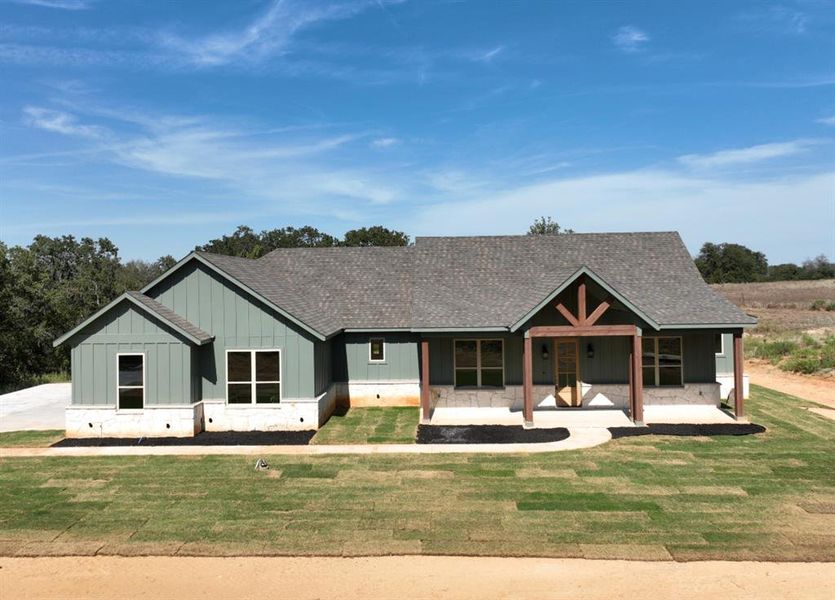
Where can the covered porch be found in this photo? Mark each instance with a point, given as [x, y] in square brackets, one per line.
[568, 365]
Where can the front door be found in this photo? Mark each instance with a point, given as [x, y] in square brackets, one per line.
[567, 372]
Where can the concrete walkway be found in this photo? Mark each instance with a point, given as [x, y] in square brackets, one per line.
[579, 438]
[39, 407]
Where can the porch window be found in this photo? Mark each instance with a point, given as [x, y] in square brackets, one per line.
[130, 388]
[253, 376]
[662, 361]
[719, 344]
[479, 363]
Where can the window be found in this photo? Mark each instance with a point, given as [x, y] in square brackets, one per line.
[253, 377]
[662, 361]
[130, 388]
[377, 350]
[719, 344]
[479, 363]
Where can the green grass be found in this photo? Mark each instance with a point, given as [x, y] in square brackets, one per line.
[764, 497]
[30, 439]
[395, 425]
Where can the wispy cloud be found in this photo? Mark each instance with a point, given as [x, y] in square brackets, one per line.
[776, 19]
[751, 154]
[827, 120]
[267, 35]
[489, 55]
[630, 39]
[58, 121]
[386, 142]
[59, 4]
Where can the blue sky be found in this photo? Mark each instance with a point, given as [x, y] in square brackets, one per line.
[163, 124]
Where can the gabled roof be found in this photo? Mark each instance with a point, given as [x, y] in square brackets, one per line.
[497, 280]
[188, 330]
[455, 283]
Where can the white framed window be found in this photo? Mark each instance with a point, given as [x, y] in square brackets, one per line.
[479, 363]
[253, 376]
[662, 361]
[719, 344]
[130, 381]
[377, 350]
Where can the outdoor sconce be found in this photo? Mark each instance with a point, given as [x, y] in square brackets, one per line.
[590, 351]
[544, 351]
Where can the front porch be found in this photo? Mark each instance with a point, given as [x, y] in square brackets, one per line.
[565, 364]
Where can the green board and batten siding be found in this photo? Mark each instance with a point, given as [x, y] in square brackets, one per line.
[238, 321]
[351, 360]
[170, 362]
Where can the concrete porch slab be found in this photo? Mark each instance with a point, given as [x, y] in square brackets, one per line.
[690, 414]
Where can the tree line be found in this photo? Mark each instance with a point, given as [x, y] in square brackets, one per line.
[735, 263]
[52, 284]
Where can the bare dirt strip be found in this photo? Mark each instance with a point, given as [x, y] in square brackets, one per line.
[816, 389]
[406, 577]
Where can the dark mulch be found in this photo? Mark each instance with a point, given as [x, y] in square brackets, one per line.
[685, 429]
[487, 434]
[207, 438]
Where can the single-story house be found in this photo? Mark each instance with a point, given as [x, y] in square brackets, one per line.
[560, 322]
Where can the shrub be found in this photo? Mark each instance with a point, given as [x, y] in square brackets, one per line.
[801, 364]
[774, 350]
[818, 305]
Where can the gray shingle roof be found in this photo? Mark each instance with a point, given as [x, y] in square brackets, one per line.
[470, 282]
[168, 315]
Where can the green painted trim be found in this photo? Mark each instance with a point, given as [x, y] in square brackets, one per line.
[722, 326]
[246, 288]
[143, 308]
[571, 279]
[456, 329]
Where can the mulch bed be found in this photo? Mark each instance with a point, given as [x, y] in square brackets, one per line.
[487, 434]
[207, 438]
[685, 429]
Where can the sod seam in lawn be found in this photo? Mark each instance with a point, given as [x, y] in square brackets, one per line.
[769, 496]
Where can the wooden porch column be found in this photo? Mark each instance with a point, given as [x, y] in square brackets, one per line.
[527, 381]
[738, 372]
[637, 381]
[424, 381]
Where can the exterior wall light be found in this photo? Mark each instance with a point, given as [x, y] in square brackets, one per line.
[590, 351]
[544, 351]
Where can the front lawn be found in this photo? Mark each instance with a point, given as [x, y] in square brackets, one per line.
[395, 425]
[768, 497]
[30, 439]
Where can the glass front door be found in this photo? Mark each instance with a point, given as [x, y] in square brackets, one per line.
[567, 373]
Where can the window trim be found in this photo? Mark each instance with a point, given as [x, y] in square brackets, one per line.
[478, 367]
[722, 344]
[143, 387]
[656, 368]
[253, 381]
[376, 361]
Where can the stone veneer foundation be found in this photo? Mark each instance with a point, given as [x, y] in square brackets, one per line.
[594, 396]
[377, 393]
[208, 415]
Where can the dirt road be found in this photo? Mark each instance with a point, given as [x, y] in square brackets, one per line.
[406, 577]
[816, 389]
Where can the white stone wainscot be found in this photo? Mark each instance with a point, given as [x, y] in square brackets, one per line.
[609, 395]
[378, 393]
[292, 414]
[726, 386]
[151, 421]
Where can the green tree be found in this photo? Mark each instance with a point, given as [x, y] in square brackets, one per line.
[136, 274]
[244, 242]
[731, 263]
[375, 236]
[290, 237]
[818, 268]
[546, 226]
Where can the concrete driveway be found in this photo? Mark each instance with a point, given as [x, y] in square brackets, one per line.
[39, 407]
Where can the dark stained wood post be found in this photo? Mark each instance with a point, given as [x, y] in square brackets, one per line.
[637, 380]
[738, 378]
[527, 380]
[424, 381]
[631, 371]
[581, 301]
